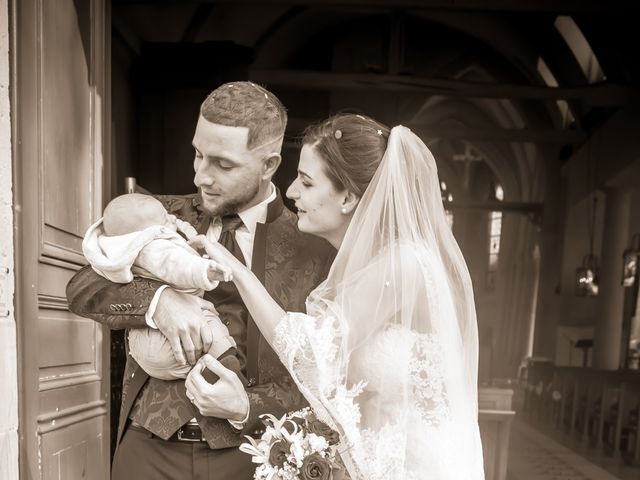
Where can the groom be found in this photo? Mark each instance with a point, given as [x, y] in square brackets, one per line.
[161, 434]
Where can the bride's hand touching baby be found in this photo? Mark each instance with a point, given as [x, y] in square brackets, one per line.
[224, 263]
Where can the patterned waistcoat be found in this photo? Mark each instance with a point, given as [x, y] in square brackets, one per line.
[290, 264]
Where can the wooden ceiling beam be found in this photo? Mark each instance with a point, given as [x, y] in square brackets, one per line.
[497, 134]
[127, 34]
[489, 134]
[197, 22]
[542, 6]
[506, 207]
[598, 94]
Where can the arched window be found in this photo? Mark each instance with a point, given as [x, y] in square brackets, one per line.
[495, 231]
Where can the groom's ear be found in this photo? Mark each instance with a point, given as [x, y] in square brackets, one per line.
[270, 165]
[349, 202]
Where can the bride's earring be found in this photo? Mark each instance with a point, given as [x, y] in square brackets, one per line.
[344, 210]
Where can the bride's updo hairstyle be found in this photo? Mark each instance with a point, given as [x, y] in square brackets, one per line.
[352, 147]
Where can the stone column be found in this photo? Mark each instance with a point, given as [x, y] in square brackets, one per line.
[8, 352]
[607, 340]
[548, 300]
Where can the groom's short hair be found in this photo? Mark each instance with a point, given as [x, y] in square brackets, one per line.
[245, 104]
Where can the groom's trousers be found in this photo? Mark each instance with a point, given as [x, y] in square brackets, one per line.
[143, 456]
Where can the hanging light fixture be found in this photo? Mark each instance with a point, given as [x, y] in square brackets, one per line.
[587, 272]
[587, 276]
[630, 259]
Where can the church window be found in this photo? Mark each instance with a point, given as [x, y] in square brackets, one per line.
[495, 232]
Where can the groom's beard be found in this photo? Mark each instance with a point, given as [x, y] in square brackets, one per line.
[236, 202]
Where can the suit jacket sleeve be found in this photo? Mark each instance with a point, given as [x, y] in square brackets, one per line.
[115, 305]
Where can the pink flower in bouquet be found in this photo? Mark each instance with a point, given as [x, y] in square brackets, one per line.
[322, 429]
[293, 424]
[315, 467]
[279, 452]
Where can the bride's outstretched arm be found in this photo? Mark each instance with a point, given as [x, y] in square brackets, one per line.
[264, 310]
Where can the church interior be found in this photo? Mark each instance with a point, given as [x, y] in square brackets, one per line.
[532, 111]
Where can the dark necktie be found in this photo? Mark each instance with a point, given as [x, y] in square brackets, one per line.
[225, 296]
[230, 223]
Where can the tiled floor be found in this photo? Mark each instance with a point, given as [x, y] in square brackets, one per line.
[536, 456]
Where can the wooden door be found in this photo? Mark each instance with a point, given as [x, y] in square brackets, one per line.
[60, 108]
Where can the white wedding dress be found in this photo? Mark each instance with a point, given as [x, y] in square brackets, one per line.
[387, 352]
[399, 408]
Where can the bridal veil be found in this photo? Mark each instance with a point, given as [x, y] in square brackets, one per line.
[388, 350]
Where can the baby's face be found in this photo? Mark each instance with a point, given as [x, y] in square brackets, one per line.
[157, 215]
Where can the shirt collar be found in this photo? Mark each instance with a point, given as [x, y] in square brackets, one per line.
[258, 213]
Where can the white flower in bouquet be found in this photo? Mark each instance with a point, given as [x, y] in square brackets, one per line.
[316, 443]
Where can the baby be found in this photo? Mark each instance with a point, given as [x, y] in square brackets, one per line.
[137, 236]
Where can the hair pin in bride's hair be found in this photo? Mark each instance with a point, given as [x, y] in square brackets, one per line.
[337, 134]
[379, 132]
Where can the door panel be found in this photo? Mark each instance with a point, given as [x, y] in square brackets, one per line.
[73, 452]
[67, 118]
[61, 74]
[63, 346]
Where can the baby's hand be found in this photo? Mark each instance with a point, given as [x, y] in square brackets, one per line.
[218, 273]
[198, 243]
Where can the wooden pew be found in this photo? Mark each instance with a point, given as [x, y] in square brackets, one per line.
[495, 417]
[599, 408]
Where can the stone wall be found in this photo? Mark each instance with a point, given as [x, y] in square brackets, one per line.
[8, 355]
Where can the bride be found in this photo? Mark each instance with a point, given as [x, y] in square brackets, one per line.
[387, 351]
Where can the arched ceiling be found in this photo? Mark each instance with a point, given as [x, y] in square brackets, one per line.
[505, 71]
[519, 32]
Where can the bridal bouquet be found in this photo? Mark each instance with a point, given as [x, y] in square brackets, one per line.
[297, 446]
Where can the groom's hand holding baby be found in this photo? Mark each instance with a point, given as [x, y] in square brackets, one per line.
[179, 317]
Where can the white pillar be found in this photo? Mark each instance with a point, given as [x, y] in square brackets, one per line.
[607, 340]
[535, 258]
[8, 353]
